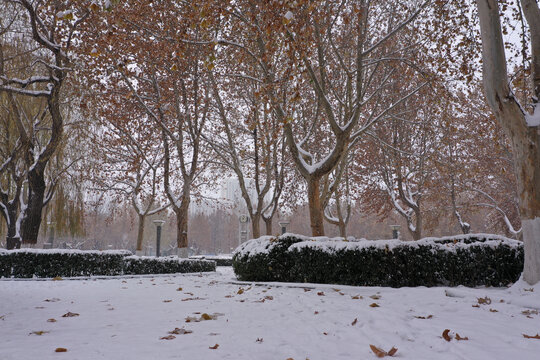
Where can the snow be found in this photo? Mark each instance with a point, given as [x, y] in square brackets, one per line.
[264, 244]
[125, 317]
[534, 119]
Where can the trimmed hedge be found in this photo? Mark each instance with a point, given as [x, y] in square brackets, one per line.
[219, 259]
[469, 260]
[29, 263]
[165, 265]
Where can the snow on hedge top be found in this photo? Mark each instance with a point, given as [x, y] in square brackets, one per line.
[66, 251]
[265, 244]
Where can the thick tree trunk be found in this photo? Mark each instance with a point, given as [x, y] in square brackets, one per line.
[182, 215]
[256, 226]
[140, 233]
[268, 225]
[32, 214]
[525, 140]
[342, 229]
[316, 215]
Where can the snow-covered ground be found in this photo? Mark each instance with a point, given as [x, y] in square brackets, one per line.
[126, 318]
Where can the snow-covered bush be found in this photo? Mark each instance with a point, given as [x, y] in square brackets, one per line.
[28, 263]
[221, 260]
[165, 265]
[470, 260]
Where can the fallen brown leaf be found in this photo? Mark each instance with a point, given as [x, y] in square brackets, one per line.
[424, 317]
[51, 320]
[214, 347]
[60, 350]
[268, 297]
[205, 316]
[168, 337]
[375, 297]
[530, 312]
[476, 306]
[320, 293]
[52, 300]
[179, 289]
[70, 314]
[325, 333]
[392, 351]
[354, 321]
[240, 291]
[41, 332]
[259, 340]
[379, 352]
[537, 336]
[484, 301]
[445, 335]
[531, 289]
[167, 301]
[316, 312]
[336, 290]
[461, 338]
[356, 297]
[374, 305]
[493, 310]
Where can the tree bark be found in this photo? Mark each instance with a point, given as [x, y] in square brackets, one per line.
[256, 225]
[316, 215]
[32, 214]
[140, 232]
[268, 225]
[525, 140]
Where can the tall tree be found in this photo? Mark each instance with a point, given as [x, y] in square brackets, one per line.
[521, 126]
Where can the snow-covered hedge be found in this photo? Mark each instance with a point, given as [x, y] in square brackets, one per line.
[221, 260]
[470, 260]
[28, 263]
[166, 265]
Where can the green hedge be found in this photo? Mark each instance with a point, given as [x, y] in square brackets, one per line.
[470, 260]
[220, 260]
[166, 265]
[29, 263]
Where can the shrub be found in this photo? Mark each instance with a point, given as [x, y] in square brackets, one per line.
[28, 263]
[221, 260]
[470, 260]
[165, 265]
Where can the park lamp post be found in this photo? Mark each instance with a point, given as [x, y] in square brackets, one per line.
[395, 231]
[283, 225]
[159, 224]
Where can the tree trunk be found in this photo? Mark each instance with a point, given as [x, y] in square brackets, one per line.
[140, 232]
[268, 224]
[316, 215]
[525, 140]
[182, 215]
[32, 214]
[256, 226]
[342, 229]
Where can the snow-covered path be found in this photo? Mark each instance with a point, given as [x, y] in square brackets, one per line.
[125, 318]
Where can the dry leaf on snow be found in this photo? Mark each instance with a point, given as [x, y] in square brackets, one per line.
[461, 338]
[375, 297]
[168, 337]
[240, 291]
[214, 347]
[51, 320]
[381, 353]
[70, 314]
[374, 305]
[424, 317]
[484, 301]
[446, 335]
[178, 331]
[537, 336]
[41, 332]
[60, 350]
[167, 301]
[320, 293]
[354, 321]
[356, 297]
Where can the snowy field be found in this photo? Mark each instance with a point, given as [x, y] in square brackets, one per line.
[132, 318]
